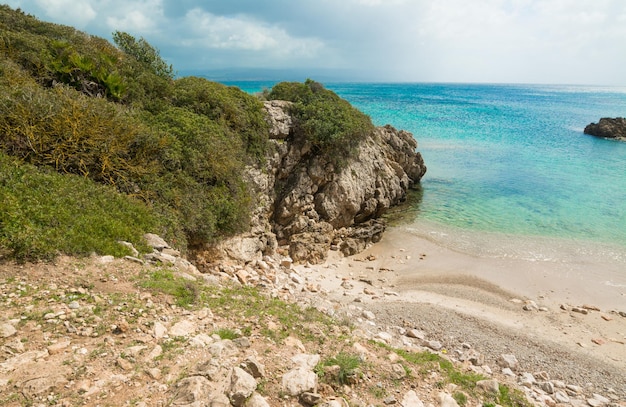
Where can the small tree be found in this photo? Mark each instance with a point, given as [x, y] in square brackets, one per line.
[143, 52]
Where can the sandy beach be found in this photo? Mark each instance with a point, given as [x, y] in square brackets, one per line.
[563, 318]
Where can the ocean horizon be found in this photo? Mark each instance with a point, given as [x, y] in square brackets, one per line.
[510, 172]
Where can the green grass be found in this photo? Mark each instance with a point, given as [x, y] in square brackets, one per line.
[426, 361]
[348, 365]
[44, 213]
[184, 292]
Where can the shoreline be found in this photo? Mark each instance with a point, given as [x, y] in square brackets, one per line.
[531, 309]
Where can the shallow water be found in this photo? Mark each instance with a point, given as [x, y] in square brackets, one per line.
[510, 172]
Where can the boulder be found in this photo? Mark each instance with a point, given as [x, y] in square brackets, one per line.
[608, 128]
[304, 201]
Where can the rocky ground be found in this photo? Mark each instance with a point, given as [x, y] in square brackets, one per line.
[113, 332]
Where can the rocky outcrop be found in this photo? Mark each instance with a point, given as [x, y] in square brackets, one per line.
[308, 204]
[608, 128]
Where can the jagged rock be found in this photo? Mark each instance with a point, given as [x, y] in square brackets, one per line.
[305, 361]
[155, 241]
[416, 333]
[527, 380]
[508, 361]
[398, 371]
[434, 345]
[491, 386]
[547, 387]
[183, 328]
[192, 392]
[298, 381]
[7, 330]
[58, 347]
[446, 400]
[242, 385]
[256, 400]
[252, 366]
[224, 348]
[608, 128]
[310, 399]
[307, 203]
[280, 121]
[411, 399]
[211, 369]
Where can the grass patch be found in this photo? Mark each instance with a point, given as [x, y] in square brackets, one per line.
[185, 293]
[226, 333]
[44, 213]
[348, 367]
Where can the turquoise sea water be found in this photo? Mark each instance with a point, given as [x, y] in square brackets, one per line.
[510, 172]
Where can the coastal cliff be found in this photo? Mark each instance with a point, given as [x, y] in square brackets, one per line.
[308, 204]
[608, 128]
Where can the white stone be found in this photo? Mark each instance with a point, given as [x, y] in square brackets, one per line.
[446, 400]
[411, 399]
[509, 361]
[242, 385]
[256, 400]
[183, 328]
[7, 330]
[415, 333]
[491, 386]
[298, 381]
[159, 330]
[305, 361]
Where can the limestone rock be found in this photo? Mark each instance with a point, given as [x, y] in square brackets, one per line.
[608, 128]
[298, 381]
[183, 328]
[411, 399]
[155, 241]
[508, 361]
[490, 386]
[256, 400]
[192, 391]
[7, 330]
[446, 400]
[242, 385]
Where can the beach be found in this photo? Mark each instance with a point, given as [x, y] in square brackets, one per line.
[556, 317]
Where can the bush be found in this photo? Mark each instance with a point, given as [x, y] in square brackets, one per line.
[44, 213]
[235, 110]
[69, 131]
[330, 123]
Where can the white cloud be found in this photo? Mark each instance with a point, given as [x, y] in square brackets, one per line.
[210, 31]
[77, 13]
[136, 17]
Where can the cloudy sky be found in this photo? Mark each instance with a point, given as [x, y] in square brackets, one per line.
[511, 41]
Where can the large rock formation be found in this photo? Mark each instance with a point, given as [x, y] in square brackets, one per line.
[308, 204]
[608, 128]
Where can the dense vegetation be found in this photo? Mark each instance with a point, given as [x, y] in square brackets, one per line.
[117, 115]
[331, 124]
[79, 106]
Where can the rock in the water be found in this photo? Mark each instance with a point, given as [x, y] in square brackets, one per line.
[608, 128]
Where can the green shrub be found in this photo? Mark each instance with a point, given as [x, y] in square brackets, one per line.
[69, 131]
[233, 109]
[330, 123]
[44, 213]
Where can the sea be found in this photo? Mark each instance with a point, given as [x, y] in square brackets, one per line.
[510, 172]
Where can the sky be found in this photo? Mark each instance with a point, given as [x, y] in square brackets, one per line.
[482, 41]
